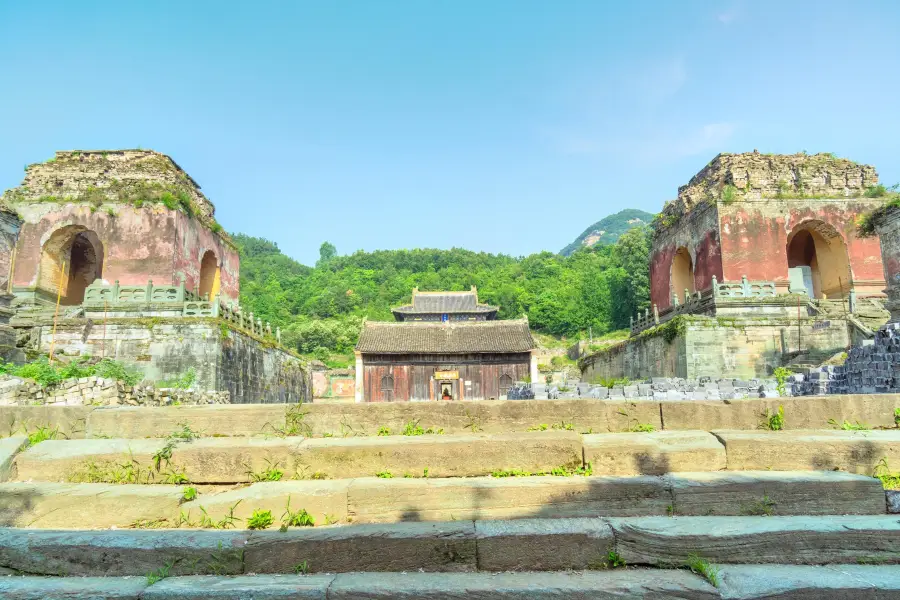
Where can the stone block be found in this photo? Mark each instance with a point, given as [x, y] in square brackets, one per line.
[623, 415]
[396, 547]
[121, 552]
[844, 582]
[627, 584]
[372, 500]
[324, 500]
[443, 455]
[665, 541]
[86, 505]
[251, 587]
[71, 460]
[653, 453]
[893, 501]
[775, 493]
[236, 420]
[542, 544]
[72, 588]
[852, 451]
[9, 448]
[70, 420]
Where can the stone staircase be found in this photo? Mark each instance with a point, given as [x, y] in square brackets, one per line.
[528, 499]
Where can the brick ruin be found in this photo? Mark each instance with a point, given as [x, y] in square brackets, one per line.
[757, 264]
[143, 271]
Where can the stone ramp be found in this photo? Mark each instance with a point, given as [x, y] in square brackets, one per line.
[458, 546]
[375, 500]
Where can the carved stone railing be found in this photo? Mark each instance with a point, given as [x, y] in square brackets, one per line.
[174, 298]
[744, 289]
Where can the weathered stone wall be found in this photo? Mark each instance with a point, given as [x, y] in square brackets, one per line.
[9, 233]
[100, 391]
[251, 370]
[710, 347]
[755, 236]
[191, 243]
[888, 227]
[698, 233]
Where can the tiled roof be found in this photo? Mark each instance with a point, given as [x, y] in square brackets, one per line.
[413, 309]
[378, 337]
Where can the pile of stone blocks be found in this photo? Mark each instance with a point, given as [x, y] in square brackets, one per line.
[675, 388]
[875, 365]
[100, 391]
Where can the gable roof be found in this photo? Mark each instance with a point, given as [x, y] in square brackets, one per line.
[380, 337]
[445, 303]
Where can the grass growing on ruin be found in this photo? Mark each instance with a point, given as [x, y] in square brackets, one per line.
[260, 519]
[890, 480]
[561, 471]
[50, 375]
[561, 426]
[760, 508]
[701, 566]
[182, 382]
[42, 434]
[299, 518]
[642, 428]
[848, 426]
[384, 475]
[413, 428]
[773, 421]
[190, 493]
[161, 573]
[611, 382]
[272, 472]
[897, 417]
[302, 568]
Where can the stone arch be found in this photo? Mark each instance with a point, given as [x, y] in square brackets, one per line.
[682, 273]
[79, 252]
[820, 247]
[210, 274]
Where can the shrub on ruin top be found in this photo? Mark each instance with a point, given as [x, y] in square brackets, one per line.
[49, 375]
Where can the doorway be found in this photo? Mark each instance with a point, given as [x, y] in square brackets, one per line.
[446, 389]
[819, 249]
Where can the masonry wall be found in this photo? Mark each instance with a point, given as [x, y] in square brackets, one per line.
[9, 233]
[889, 237]
[223, 359]
[138, 243]
[192, 240]
[755, 237]
[698, 232]
[717, 348]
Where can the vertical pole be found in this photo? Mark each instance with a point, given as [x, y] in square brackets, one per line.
[799, 345]
[103, 342]
[12, 270]
[62, 276]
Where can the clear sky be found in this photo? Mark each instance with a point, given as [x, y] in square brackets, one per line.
[497, 125]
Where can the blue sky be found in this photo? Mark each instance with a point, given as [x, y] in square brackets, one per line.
[496, 125]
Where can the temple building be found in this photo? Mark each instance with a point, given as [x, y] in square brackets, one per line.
[444, 346]
[445, 306]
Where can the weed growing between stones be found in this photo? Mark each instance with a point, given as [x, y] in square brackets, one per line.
[890, 480]
[473, 423]
[42, 434]
[302, 568]
[614, 560]
[384, 431]
[384, 475]
[299, 518]
[642, 428]
[848, 426]
[413, 428]
[190, 493]
[161, 573]
[701, 566]
[562, 471]
[260, 519]
[272, 472]
[330, 519]
[773, 421]
[897, 417]
[294, 423]
[760, 508]
[561, 426]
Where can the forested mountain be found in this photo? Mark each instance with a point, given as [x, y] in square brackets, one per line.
[607, 230]
[320, 308]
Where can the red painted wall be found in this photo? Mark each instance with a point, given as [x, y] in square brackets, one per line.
[192, 240]
[755, 238]
[138, 244]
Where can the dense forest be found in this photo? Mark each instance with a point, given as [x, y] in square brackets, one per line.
[608, 229]
[320, 308]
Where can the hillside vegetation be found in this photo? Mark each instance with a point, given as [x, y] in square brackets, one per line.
[607, 230]
[320, 308]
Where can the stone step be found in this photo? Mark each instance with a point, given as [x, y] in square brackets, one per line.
[736, 582]
[851, 451]
[375, 500]
[457, 546]
[366, 419]
[653, 453]
[237, 460]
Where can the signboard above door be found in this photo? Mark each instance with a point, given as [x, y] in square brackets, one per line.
[446, 374]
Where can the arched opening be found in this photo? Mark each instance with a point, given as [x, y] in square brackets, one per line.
[387, 388]
[77, 250]
[682, 273]
[209, 275]
[819, 252]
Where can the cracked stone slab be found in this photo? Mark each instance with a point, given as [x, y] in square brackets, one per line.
[629, 584]
[654, 453]
[543, 544]
[793, 540]
[250, 587]
[72, 588]
[396, 547]
[843, 582]
[121, 552]
[374, 500]
[775, 493]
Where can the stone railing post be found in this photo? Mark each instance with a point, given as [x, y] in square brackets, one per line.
[259, 327]
[655, 314]
[631, 322]
[674, 299]
[852, 300]
[715, 286]
[687, 296]
[278, 335]
[180, 297]
[745, 287]
[115, 293]
[149, 290]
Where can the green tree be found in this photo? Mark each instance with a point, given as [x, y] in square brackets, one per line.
[327, 251]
